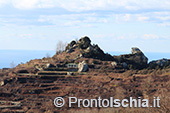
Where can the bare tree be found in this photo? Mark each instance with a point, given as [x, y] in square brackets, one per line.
[60, 47]
[47, 55]
[12, 64]
[76, 39]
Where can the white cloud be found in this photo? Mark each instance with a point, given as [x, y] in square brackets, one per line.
[142, 18]
[109, 11]
[25, 4]
[28, 4]
[3, 2]
[88, 5]
[24, 36]
[77, 20]
[150, 36]
[127, 17]
[164, 24]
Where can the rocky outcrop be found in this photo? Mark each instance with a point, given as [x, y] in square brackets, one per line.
[70, 73]
[159, 63]
[84, 42]
[87, 49]
[135, 60]
[49, 65]
[82, 67]
[124, 64]
[135, 50]
[114, 64]
[2, 83]
[69, 48]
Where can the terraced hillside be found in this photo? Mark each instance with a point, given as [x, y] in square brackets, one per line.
[84, 71]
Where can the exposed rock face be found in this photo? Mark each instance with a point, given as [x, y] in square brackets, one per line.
[69, 50]
[70, 73]
[82, 67]
[2, 83]
[72, 43]
[88, 50]
[49, 65]
[22, 71]
[70, 46]
[84, 42]
[124, 64]
[135, 50]
[135, 60]
[114, 63]
[159, 63]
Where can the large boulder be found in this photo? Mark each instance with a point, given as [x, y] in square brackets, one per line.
[124, 64]
[95, 52]
[84, 42]
[70, 46]
[135, 50]
[72, 43]
[2, 83]
[114, 63]
[82, 67]
[49, 66]
[142, 58]
[89, 49]
[69, 50]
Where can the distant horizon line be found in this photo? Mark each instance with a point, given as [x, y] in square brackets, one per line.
[54, 50]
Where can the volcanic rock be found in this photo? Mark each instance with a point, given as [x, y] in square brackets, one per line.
[159, 63]
[69, 50]
[82, 67]
[70, 46]
[84, 42]
[114, 63]
[135, 60]
[49, 65]
[88, 50]
[2, 83]
[135, 50]
[124, 64]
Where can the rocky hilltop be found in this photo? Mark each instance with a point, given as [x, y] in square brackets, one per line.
[84, 70]
[135, 60]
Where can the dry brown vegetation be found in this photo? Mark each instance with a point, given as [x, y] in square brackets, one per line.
[35, 86]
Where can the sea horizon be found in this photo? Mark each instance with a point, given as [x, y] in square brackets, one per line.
[22, 56]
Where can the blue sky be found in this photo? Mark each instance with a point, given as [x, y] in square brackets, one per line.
[116, 25]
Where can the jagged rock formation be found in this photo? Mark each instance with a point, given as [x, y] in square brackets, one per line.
[84, 42]
[135, 50]
[88, 50]
[36, 83]
[159, 63]
[135, 60]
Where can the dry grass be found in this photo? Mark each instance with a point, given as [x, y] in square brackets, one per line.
[116, 110]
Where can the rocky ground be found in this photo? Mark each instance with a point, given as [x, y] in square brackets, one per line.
[84, 71]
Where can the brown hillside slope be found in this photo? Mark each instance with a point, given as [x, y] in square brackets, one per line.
[33, 86]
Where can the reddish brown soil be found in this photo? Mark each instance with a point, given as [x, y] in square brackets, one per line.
[36, 93]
